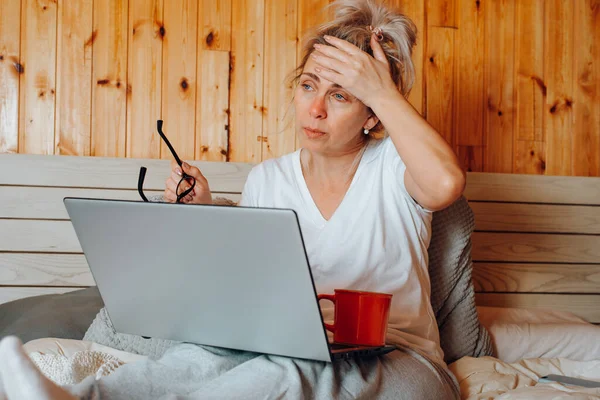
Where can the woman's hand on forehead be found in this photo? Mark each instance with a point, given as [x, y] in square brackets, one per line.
[356, 71]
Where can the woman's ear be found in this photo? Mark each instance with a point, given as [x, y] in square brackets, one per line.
[371, 122]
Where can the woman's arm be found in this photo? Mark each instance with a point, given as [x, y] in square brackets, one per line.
[433, 176]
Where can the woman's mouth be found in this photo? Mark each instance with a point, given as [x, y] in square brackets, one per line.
[313, 133]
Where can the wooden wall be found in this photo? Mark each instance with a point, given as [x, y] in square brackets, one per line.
[513, 85]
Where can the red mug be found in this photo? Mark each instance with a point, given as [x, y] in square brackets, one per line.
[360, 318]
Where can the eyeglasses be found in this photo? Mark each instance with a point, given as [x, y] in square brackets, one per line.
[182, 190]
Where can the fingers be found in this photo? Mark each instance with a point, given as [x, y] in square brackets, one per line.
[199, 194]
[193, 171]
[327, 62]
[378, 52]
[333, 52]
[342, 44]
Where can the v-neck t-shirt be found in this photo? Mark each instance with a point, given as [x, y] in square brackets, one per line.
[376, 240]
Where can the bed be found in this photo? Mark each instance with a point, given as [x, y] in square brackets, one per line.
[535, 265]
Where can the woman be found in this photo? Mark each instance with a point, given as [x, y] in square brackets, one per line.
[364, 203]
[369, 173]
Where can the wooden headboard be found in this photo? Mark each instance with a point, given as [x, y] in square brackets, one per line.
[536, 242]
[537, 239]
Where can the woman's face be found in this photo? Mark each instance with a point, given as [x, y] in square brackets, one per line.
[329, 120]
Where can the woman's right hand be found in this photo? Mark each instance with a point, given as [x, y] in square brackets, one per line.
[199, 195]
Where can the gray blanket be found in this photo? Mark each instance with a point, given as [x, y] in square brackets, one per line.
[181, 370]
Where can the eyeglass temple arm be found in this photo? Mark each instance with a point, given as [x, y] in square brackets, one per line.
[141, 183]
[159, 125]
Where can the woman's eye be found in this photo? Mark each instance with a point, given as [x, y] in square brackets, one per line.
[306, 86]
[339, 96]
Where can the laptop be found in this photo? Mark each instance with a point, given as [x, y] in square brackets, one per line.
[231, 277]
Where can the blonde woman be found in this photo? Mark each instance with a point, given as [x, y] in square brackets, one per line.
[364, 184]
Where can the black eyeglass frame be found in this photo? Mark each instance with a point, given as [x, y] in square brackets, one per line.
[184, 177]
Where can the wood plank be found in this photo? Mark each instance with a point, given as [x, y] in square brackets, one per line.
[530, 91]
[179, 77]
[47, 202]
[38, 236]
[13, 293]
[144, 76]
[586, 91]
[246, 133]
[10, 37]
[529, 70]
[441, 13]
[519, 217]
[529, 157]
[111, 173]
[499, 86]
[74, 78]
[415, 10]
[38, 80]
[583, 305]
[539, 248]
[558, 75]
[544, 278]
[212, 106]
[281, 32]
[470, 157]
[470, 96]
[44, 270]
[109, 78]
[533, 189]
[215, 17]
[311, 13]
[439, 74]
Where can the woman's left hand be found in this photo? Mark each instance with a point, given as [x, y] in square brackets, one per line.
[353, 69]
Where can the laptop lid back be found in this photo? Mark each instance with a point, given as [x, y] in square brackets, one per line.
[231, 277]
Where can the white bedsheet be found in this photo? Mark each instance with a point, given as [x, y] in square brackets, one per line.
[490, 378]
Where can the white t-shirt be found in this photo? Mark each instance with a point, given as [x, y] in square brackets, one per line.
[376, 240]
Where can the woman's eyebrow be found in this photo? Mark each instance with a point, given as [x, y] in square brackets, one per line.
[316, 78]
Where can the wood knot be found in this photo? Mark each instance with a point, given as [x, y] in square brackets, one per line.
[92, 38]
[203, 149]
[184, 84]
[162, 31]
[118, 84]
[223, 152]
[430, 59]
[1, 57]
[19, 67]
[102, 82]
[210, 38]
[499, 113]
[532, 153]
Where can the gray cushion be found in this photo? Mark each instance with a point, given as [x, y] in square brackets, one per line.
[66, 316]
[452, 292]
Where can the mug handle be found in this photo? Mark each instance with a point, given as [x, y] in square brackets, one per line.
[330, 297]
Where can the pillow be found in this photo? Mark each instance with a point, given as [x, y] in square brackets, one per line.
[452, 292]
[66, 316]
[526, 333]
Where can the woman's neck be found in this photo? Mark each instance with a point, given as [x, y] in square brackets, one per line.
[330, 170]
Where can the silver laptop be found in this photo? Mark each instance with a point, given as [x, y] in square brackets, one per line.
[232, 277]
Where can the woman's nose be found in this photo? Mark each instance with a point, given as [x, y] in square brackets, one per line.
[317, 108]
